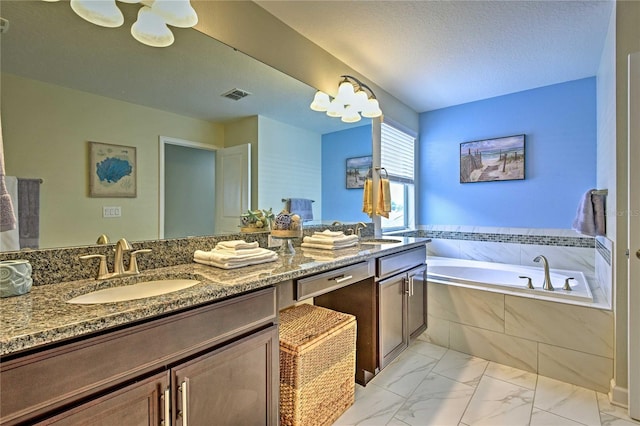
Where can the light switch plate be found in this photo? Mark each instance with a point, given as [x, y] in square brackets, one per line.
[111, 211]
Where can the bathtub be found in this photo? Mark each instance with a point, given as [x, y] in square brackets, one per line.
[503, 278]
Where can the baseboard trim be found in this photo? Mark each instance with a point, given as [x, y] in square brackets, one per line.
[618, 395]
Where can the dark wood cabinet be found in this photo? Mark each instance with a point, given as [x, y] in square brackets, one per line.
[231, 386]
[122, 377]
[417, 302]
[392, 311]
[402, 302]
[140, 404]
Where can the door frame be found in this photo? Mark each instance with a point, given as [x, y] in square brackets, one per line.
[162, 142]
[633, 229]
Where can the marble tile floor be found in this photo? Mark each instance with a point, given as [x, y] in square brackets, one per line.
[431, 385]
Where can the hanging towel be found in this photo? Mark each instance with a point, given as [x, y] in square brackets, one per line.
[303, 207]
[367, 197]
[10, 240]
[590, 216]
[384, 198]
[29, 212]
[8, 220]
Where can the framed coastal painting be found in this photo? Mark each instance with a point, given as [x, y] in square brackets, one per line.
[491, 160]
[357, 170]
[112, 170]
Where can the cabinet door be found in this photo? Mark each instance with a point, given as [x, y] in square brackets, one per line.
[417, 314]
[140, 404]
[392, 309]
[234, 385]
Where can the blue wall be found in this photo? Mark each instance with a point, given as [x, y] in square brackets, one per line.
[559, 122]
[338, 202]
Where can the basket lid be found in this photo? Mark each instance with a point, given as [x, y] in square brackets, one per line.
[304, 323]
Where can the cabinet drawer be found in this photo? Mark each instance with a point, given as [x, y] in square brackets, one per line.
[37, 383]
[332, 280]
[400, 262]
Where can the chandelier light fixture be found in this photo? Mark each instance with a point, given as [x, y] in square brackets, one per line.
[153, 17]
[354, 99]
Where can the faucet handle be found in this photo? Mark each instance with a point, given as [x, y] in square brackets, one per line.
[529, 283]
[102, 269]
[567, 286]
[133, 261]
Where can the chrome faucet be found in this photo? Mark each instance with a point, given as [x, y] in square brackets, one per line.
[546, 285]
[118, 265]
[359, 227]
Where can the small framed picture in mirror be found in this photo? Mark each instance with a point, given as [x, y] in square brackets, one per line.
[112, 170]
[357, 170]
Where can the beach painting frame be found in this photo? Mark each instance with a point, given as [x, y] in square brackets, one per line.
[357, 170]
[112, 171]
[490, 160]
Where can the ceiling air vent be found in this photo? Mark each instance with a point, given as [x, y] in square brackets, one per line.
[236, 94]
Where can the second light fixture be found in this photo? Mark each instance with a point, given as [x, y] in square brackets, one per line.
[354, 99]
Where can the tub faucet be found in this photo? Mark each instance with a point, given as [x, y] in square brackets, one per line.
[547, 279]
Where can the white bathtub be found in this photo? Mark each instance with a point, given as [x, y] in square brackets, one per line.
[505, 278]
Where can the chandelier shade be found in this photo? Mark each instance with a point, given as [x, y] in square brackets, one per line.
[153, 17]
[353, 101]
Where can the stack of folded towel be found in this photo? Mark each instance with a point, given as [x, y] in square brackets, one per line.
[234, 254]
[330, 240]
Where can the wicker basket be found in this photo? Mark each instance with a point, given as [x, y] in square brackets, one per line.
[317, 365]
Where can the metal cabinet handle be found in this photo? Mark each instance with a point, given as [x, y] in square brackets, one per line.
[638, 254]
[411, 280]
[167, 407]
[342, 278]
[184, 390]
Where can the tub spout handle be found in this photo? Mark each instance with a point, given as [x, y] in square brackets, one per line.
[567, 286]
[529, 283]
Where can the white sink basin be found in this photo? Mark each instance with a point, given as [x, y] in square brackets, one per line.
[133, 292]
[376, 241]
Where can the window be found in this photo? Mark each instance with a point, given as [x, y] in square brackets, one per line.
[397, 157]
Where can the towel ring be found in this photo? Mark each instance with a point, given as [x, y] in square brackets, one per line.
[386, 173]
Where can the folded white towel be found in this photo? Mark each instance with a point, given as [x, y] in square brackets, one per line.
[237, 244]
[239, 252]
[328, 234]
[331, 241]
[233, 265]
[329, 246]
[223, 256]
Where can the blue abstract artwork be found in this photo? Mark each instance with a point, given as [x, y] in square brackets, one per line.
[113, 170]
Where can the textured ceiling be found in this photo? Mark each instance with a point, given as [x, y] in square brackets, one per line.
[434, 54]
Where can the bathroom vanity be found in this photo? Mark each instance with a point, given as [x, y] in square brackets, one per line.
[207, 352]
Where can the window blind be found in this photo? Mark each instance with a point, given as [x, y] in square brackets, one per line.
[397, 154]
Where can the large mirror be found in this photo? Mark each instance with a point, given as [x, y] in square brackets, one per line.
[66, 83]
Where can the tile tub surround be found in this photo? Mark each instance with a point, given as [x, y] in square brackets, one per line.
[565, 248]
[51, 266]
[43, 316]
[562, 341]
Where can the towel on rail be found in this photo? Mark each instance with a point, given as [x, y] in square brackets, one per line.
[590, 217]
[303, 207]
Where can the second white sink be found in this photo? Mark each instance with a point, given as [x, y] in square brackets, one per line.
[133, 292]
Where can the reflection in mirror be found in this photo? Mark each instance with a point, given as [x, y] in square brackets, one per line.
[66, 82]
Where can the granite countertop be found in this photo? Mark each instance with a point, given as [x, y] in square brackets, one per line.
[43, 317]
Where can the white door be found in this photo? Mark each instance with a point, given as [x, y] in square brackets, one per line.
[634, 235]
[233, 186]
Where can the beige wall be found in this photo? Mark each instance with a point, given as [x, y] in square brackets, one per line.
[46, 129]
